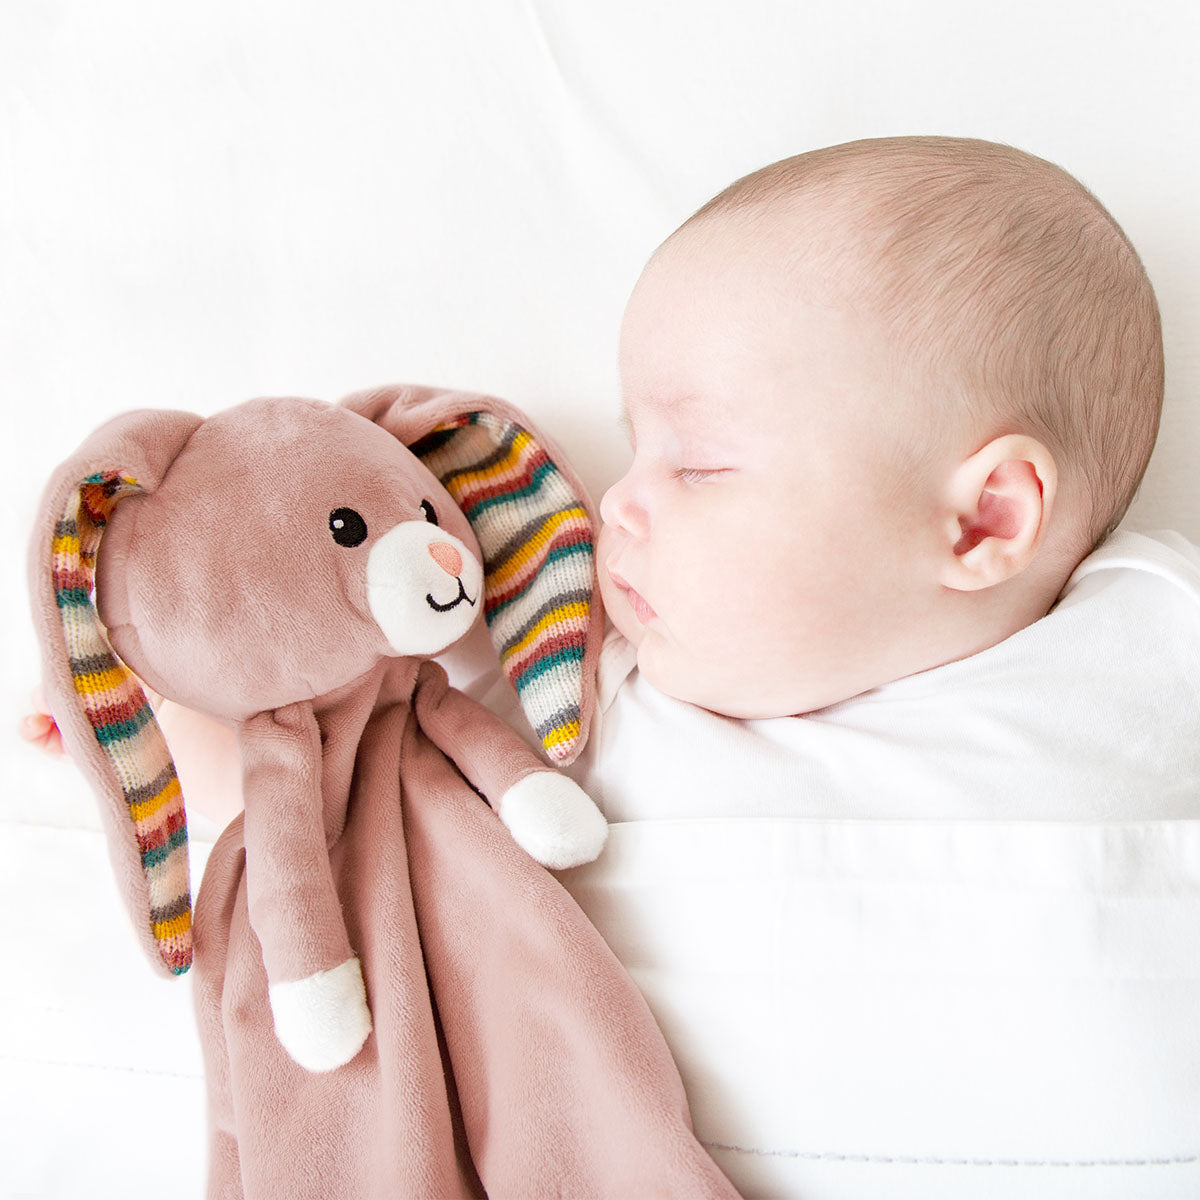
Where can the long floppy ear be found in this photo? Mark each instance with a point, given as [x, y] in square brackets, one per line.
[536, 528]
[99, 705]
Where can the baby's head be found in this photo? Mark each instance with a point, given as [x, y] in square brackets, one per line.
[883, 397]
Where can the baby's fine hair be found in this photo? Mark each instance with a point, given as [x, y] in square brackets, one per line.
[1016, 297]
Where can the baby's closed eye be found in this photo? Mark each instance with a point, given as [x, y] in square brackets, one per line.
[697, 474]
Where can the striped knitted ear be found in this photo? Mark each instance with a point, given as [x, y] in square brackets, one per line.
[115, 706]
[537, 543]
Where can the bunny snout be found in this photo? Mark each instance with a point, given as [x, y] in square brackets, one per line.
[446, 557]
[424, 587]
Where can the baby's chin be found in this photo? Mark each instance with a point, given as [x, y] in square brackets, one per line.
[730, 692]
[690, 682]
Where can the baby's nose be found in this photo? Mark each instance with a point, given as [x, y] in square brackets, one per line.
[446, 557]
[622, 510]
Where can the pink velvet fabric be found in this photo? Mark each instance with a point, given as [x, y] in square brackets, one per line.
[511, 1055]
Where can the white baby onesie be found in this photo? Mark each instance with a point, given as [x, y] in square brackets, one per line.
[1068, 719]
[943, 939]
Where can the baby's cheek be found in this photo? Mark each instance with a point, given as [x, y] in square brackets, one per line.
[720, 619]
[759, 618]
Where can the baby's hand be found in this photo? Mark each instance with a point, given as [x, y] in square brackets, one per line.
[205, 752]
[39, 729]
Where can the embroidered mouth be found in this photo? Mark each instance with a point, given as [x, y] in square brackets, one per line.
[462, 595]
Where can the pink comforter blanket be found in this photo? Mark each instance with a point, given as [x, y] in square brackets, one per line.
[512, 1056]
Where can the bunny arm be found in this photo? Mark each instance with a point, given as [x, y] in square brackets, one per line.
[316, 989]
[546, 812]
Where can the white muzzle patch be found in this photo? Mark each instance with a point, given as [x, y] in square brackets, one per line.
[424, 587]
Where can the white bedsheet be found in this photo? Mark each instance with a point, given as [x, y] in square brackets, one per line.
[101, 1085]
[972, 1009]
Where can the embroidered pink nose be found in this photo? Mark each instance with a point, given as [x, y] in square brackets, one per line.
[446, 557]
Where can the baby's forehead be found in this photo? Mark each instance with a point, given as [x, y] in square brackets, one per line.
[828, 247]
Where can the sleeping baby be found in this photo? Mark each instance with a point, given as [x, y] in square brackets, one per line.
[898, 739]
[885, 401]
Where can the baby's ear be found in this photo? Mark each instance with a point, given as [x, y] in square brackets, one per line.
[99, 705]
[536, 529]
[1000, 502]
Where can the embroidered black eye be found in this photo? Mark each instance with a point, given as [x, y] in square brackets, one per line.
[430, 515]
[347, 527]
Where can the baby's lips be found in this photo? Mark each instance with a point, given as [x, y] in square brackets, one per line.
[641, 609]
[615, 577]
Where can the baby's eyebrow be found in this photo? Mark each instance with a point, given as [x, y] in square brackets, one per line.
[656, 403]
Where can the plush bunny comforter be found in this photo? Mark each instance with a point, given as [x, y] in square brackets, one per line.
[395, 999]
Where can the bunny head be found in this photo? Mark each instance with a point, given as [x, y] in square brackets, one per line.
[286, 546]
[274, 553]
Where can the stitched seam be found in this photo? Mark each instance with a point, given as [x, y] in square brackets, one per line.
[829, 1156]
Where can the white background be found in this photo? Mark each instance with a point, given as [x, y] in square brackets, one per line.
[203, 203]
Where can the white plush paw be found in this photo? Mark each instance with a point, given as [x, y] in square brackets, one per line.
[554, 820]
[322, 1021]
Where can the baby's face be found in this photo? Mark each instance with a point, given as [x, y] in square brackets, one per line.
[758, 552]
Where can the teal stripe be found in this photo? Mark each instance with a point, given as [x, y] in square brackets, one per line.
[107, 734]
[160, 854]
[534, 485]
[72, 598]
[558, 552]
[535, 670]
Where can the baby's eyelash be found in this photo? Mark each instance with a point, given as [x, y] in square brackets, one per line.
[695, 474]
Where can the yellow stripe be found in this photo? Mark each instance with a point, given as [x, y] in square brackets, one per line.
[67, 543]
[163, 930]
[510, 566]
[557, 616]
[564, 733]
[147, 808]
[101, 681]
[518, 448]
